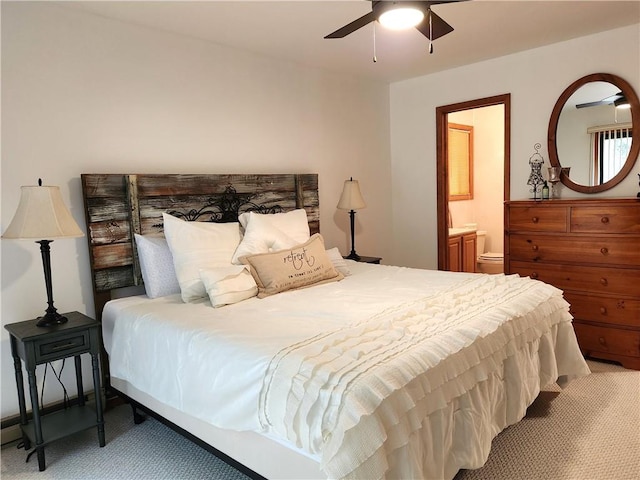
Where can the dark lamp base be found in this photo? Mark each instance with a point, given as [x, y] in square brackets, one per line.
[51, 318]
[353, 256]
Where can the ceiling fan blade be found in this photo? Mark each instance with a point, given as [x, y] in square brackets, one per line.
[613, 98]
[437, 29]
[353, 26]
[605, 101]
[592, 104]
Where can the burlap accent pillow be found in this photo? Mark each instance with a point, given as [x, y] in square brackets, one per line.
[301, 266]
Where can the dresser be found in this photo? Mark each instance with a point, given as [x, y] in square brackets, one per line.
[589, 248]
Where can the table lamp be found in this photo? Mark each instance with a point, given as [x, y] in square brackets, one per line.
[351, 199]
[42, 215]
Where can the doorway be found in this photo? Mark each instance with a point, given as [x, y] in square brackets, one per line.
[442, 164]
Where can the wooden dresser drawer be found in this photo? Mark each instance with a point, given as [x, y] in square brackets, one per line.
[612, 310]
[542, 218]
[605, 250]
[605, 219]
[593, 339]
[603, 280]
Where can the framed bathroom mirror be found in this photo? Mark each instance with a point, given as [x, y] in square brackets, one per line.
[592, 136]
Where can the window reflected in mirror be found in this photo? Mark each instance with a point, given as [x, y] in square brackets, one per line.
[610, 147]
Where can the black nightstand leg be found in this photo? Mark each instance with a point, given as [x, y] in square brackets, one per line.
[95, 361]
[17, 365]
[35, 409]
[78, 363]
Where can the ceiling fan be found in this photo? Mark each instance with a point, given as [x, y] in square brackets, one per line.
[618, 99]
[400, 15]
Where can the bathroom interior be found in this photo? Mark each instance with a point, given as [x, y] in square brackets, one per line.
[484, 211]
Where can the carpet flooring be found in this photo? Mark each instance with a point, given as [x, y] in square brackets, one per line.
[589, 431]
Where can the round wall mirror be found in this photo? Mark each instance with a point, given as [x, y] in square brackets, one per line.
[594, 132]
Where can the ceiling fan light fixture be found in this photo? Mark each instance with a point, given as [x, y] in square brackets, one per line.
[622, 103]
[401, 18]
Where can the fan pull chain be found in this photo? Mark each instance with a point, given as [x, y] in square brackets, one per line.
[430, 33]
[375, 58]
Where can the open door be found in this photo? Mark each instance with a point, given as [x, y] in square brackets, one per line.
[442, 154]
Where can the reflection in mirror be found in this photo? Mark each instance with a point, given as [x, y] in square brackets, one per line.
[591, 133]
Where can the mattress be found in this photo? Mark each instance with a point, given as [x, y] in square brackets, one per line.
[359, 374]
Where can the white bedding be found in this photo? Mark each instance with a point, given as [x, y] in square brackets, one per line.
[358, 373]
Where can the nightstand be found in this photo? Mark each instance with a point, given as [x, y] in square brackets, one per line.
[37, 345]
[364, 259]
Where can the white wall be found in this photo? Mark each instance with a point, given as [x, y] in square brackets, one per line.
[535, 79]
[85, 94]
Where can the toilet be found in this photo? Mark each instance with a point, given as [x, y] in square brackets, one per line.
[488, 262]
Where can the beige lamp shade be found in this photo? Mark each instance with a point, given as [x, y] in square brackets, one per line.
[351, 198]
[42, 214]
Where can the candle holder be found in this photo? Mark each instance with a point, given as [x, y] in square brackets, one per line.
[554, 178]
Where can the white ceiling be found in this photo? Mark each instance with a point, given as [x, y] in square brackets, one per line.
[294, 30]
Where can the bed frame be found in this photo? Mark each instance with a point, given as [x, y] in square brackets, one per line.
[119, 205]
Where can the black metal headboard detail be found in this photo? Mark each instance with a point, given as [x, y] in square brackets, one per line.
[119, 205]
[225, 208]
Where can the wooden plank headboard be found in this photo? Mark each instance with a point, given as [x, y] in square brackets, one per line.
[119, 205]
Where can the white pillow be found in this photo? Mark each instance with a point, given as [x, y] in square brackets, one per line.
[199, 245]
[227, 285]
[156, 264]
[261, 237]
[338, 261]
[293, 224]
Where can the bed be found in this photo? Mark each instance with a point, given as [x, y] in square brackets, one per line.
[364, 371]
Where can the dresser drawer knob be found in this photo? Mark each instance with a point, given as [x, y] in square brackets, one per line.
[604, 220]
[534, 248]
[604, 282]
[603, 310]
[534, 275]
[535, 219]
[602, 341]
[604, 250]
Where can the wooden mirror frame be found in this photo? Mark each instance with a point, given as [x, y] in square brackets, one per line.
[629, 93]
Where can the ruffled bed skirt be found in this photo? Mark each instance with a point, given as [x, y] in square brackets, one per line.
[421, 391]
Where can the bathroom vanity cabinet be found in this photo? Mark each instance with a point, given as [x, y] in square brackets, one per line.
[462, 252]
[590, 249]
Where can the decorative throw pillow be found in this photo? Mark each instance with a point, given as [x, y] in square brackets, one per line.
[338, 262]
[199, 245]
[227, 285]
[156, 265]
[293, 224]
[261, 236]
[301, 266]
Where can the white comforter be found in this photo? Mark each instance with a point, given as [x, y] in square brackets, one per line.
[361, 372]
